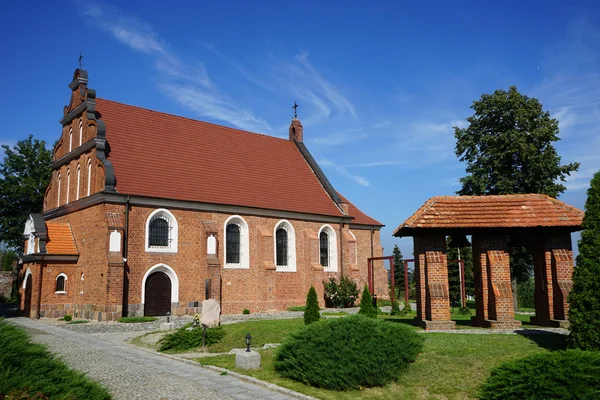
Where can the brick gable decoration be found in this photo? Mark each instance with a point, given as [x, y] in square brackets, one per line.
[147, 212]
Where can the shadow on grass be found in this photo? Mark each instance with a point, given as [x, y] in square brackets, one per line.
[548, 340]
[406, 321]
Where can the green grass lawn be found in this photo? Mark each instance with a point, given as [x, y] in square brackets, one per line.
[135, 320]
[262, 332]
[27, 369]
[452, 366]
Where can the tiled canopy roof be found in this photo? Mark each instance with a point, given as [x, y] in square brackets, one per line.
[171, 157]
[60, 239]
[507, 211]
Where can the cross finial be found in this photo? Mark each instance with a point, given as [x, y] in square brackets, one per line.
[295, 107]
[80, 59]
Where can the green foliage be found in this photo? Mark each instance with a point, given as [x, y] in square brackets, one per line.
[312, 307]
[526, 293]
[187, 338]
[366, 304]
[297, 308]
[246, 311]
[584, 299]
[571, 374]
[132, 320]
[395, 309]
[7, 258]
[398, 268]
[24, 175]
[348, 353]
[407, 307]
[28, 369]
[67, 318]
[466, 254]
[342, 294]
[464, 311]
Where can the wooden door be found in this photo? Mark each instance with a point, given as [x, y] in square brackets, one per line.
[158, 295]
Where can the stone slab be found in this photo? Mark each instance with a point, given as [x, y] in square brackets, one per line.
[167, 326]
[247, 360]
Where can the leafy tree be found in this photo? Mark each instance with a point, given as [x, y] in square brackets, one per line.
[508, 148]
[311, 314]
[24, 175]
[398, 268]
[466, 254]
[366, 304]
[7, 258]
[584, 299]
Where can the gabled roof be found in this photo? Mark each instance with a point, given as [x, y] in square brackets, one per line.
[359, 217]
[166, 156]
[506, 211]
[60, 239]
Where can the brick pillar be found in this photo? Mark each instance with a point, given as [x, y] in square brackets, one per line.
[493, 291]
[431, 269]
[553, 257]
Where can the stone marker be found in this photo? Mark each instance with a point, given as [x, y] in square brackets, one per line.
[167, 326]
[211, 311]
[247, 360]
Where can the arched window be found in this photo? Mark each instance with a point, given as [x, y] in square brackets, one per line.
[58, 191]
[70, 139]
[68, 184]
[89, 177]
[80, 132]
[285, 246]
[78, 182]
[328, 249]
[82, 280]
[161, 232]
[236, 243]
[61, 283]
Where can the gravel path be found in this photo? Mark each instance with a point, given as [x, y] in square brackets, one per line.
[132, 373]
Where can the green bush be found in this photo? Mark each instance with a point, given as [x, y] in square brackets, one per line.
[395, 309]
[525, 294]
[67, 318]
[342, 294]
[27, 369]
[407, 307]
[571, 374]
[366, 304]
[134, 320]
[246, 311]
[312, 307]
[187, 338]
[297, 308]
[348, 353]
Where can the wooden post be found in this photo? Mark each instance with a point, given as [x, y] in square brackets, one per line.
[392, 272]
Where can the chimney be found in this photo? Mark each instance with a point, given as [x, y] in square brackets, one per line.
[296, 130]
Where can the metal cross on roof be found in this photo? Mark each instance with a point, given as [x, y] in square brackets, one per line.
[80, 59]
[295, 107]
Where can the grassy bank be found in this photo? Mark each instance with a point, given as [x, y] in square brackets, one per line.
[27, 368]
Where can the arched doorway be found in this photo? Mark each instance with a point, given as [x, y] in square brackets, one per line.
[27, 300]
[157, 300]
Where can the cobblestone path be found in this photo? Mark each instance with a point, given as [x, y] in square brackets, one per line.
[131, 373]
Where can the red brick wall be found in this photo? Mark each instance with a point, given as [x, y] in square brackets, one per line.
[431, 269]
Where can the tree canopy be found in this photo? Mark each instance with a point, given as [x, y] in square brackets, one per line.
[508, 147]
[398, 268]
[584, 299]
[24, 176]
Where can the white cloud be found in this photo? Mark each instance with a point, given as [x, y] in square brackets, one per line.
[343, 171]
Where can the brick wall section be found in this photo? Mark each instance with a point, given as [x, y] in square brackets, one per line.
[6, 281]
[553, 257]
[259, 288]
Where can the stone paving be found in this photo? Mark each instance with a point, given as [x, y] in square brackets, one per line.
[132, 373]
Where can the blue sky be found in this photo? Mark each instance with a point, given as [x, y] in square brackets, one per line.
[380, 84]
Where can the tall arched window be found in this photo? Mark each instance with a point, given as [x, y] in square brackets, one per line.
[89, 177]
[58, 191]
[68, 185]
[285, 246]
[328, 249]
[61, 283]
[161, 232]
[236, 243]
[80, 132]
[78, 182]
[70, 139]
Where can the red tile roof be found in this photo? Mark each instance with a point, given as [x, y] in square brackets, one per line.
[60, 239]
[507, 211]
[166, 156]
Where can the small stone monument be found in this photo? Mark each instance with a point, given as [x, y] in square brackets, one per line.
[248, 359]
[211, 313]
[167, 326]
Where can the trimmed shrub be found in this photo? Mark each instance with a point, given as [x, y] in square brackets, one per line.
[246, 311]
[407, 307]
[571, 374]
[584, 299]
[348, 353]
[366, 304]
[68, 318]
[525, 293]
[342, 294]
[185, 338]
[395, 309]
[312, 307]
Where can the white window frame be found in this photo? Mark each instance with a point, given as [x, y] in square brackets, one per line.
[89, 177]
[244, 243]
[58, 191]
[56, 280]
[332, 248]
[173, 232]
[68, 185]
[80, 132]
[70, 140]
[27, 273]
[78, 182]
[291, 246]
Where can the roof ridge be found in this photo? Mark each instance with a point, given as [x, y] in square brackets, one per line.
[565, 205]
[192, 119]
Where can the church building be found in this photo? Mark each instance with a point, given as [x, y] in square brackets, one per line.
[148, 213]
